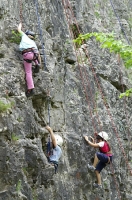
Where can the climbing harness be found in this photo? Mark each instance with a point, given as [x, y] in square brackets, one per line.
[49, 153]
[35, 57]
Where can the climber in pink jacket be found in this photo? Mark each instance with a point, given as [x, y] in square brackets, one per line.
[30, 53]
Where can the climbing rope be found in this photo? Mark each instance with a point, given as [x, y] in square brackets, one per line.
[48, 99]
[82, 70]
[105, 104]
[41, 35]
[86, 96]
[116, 187]
[20, 10]
[123, 31]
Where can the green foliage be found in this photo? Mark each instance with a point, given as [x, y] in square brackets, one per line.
[4, 107]
[34, 194]
[126, 94]
[97, 14]
[18, 187]
[108, 40]
[15, 37]
[14, 137]
[25, 171]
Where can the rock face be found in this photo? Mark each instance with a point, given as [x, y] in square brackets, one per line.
[84, 98]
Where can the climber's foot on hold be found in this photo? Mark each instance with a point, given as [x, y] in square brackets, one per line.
[36, 69]
[30, 92]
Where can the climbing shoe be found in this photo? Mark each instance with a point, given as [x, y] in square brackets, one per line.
[91, 167]
[30, 93]
[36, 69]
[96, 185]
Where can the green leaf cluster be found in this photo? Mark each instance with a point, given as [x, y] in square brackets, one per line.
[108, 41]
[14, 137]
[4, 107]
[18, 187]
[15, 37]
[126, 94]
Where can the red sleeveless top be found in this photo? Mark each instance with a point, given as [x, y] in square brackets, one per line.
[105, 148]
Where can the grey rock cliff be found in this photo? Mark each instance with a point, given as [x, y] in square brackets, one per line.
[84, 99]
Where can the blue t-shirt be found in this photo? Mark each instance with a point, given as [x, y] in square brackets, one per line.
[56, 154]
[26, 42]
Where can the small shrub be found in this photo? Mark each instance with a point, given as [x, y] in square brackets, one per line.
[18, 187]
[15, 37]
[126, 94]
[14, 137]
[97, 14]
[4, 107]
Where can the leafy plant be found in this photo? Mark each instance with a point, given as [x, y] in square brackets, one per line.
[34, 194]
[15, 37]
[18, 187]
[4, 107]
[14, 137]
[127, 93]
[108, 41]
[97, 14]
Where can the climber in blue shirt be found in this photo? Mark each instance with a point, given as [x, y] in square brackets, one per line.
[56, 152]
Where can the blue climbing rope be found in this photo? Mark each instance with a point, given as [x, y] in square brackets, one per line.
[49, 111]
[112, 5]
[41, 35]
[49, 140]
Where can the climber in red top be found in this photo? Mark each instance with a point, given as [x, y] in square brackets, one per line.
[101, 158]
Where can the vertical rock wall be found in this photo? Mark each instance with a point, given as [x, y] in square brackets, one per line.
[84, 98]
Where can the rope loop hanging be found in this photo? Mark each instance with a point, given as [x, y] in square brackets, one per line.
[20, 10]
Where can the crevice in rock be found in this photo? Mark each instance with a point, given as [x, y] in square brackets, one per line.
[40, 105]
[120, 87]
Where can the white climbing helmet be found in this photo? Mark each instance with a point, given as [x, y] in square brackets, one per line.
[104, 135]
[59, 139]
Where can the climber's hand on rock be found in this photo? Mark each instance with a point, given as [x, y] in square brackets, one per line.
[86, 138]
